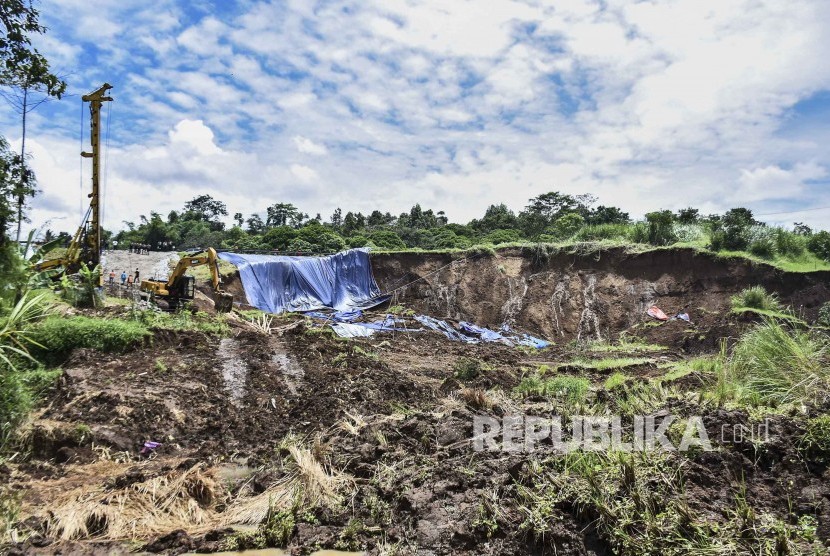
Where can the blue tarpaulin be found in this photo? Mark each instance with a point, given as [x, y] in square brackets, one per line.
[276, 284]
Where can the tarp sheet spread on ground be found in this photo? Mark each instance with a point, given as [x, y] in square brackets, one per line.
[276, 284]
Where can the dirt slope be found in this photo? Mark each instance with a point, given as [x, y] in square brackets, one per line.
[592, 296]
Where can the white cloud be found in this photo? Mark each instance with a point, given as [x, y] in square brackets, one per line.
[304, 173]
[307, 146]
[647, 104]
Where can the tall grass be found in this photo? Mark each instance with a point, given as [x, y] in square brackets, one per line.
[774, 364]
[756, 297]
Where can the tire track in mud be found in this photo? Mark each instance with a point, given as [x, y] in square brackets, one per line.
[236, 371]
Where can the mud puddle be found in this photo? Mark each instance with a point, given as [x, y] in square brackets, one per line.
[234, 369]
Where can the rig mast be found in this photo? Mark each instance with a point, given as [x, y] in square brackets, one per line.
[95, 100]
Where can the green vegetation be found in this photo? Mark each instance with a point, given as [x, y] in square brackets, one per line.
[756, 297]
[53, 338]
[549, 223]
[609, 363]
[182, 320]
[616, 380]
[468, 368]
[775, 364]
[815, 442]
[83, 292]
[636, 503]
[571, 389]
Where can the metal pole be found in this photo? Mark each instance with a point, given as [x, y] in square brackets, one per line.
[95, 99]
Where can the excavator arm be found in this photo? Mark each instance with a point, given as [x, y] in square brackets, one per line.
[182, 287]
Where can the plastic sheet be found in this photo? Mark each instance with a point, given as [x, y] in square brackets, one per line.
[276, 284]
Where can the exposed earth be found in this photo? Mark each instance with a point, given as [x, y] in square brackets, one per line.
[248, 421]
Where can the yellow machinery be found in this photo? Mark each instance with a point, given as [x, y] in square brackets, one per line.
[179, 288]
[86, 244]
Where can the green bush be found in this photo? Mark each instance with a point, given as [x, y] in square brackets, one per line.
[661, 227]
[502, 236]
[567, 225]
[638, 233]
[86, 291]
[468, 368]
[819, 245]
[56, 337]
[755, 297]
[789, 244]
[763, 247]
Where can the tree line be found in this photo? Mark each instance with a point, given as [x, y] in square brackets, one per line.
[548, 218]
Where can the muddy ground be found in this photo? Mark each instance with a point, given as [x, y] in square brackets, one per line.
[392, 417]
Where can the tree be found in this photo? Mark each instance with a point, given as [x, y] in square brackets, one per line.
[688, 215]
[376, 219]
[255, 224]
[25, 70]
[732, 230]
[608, 215]
[16, 180]
[496, 217]
[239, 219]
[205, 208]
[284, 214]
[337, 218]
[801, 229]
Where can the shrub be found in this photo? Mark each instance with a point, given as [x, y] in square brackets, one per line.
[819, 245]
[789, 244]
[468, 368]
[661, 227]
[86, 291]
[638, 233]
[732, 231]
[567, 225]
[603, 231]
[824, 315]
[56, 337]
[502, 236]
[387, 239]
[763, 247]
[774, 364]
[756, 297]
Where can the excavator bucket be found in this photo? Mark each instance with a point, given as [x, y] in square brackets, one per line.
[223, 302]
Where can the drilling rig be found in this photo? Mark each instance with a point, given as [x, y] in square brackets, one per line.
[85, 246]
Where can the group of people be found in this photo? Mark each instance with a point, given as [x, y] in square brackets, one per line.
[139, 248]
[127, 280]
[145, 248]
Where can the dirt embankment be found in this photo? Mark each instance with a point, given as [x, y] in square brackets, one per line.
[565, 296]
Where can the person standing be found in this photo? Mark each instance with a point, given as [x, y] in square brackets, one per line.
[136, 276]
[123, 277]
[130, 281]
[112, 277]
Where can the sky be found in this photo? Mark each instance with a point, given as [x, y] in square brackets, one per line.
[453, 104]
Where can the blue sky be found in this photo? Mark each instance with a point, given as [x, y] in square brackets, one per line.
[453, 104]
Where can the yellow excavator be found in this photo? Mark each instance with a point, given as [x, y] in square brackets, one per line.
[170, 294]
